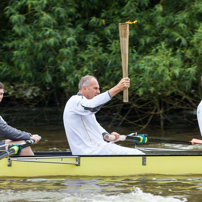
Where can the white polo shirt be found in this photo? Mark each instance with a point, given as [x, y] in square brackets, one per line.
[83, 132]
[199, 116]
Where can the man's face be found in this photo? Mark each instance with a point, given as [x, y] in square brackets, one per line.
[93, 90]
[1, 94]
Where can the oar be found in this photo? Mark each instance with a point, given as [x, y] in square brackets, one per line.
[140, 139]
[16, 148]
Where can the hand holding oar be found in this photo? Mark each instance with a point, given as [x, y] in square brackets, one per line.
[16, 148]
[141, 139]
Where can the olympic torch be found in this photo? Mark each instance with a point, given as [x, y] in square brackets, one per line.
[124, 42]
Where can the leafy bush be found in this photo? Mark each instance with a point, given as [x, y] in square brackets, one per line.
[49, 45]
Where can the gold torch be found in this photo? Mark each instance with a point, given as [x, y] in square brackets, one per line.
[124, 41]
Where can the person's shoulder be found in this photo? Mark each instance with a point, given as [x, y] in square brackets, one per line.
[75, 98]
[2, 120]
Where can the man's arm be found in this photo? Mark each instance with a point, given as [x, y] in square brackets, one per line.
[122, 85]
[11, 133]
[85, 106]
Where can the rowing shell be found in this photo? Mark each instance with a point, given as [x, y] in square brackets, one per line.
[51, 164]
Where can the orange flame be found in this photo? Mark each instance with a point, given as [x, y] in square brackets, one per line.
[129, 22]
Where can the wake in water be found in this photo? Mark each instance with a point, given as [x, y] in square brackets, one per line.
[136, 195]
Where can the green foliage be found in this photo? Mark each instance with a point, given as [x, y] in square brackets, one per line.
[49, 45]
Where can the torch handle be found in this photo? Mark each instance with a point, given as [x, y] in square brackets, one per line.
[124, 41]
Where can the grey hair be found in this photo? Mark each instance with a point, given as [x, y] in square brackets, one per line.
[1, 86]
[85, 81]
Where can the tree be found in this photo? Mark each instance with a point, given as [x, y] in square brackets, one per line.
[48, 45]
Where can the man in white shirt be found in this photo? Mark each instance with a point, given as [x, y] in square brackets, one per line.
[199, 114]
[85, 135]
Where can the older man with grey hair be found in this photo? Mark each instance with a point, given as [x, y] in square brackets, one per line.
[85, 135]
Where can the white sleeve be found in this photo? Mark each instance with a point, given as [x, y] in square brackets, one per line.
[199, 116]
[88, 106]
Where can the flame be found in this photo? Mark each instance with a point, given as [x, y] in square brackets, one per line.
[129, 22]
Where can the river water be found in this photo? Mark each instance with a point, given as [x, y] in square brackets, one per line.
[140, 188]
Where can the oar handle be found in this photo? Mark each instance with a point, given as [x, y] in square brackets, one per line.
[123, 138]
[28, 143]
[31, 141]
[139, 139]
[112, 137]
[15, 148]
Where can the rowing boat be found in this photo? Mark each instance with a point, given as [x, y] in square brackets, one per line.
[51, 164]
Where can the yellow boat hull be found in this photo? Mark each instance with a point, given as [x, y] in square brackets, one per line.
[173, 163]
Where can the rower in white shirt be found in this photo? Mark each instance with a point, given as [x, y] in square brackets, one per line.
[199, 114]
[85, 135]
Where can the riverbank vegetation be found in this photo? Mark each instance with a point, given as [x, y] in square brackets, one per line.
[48, 45]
